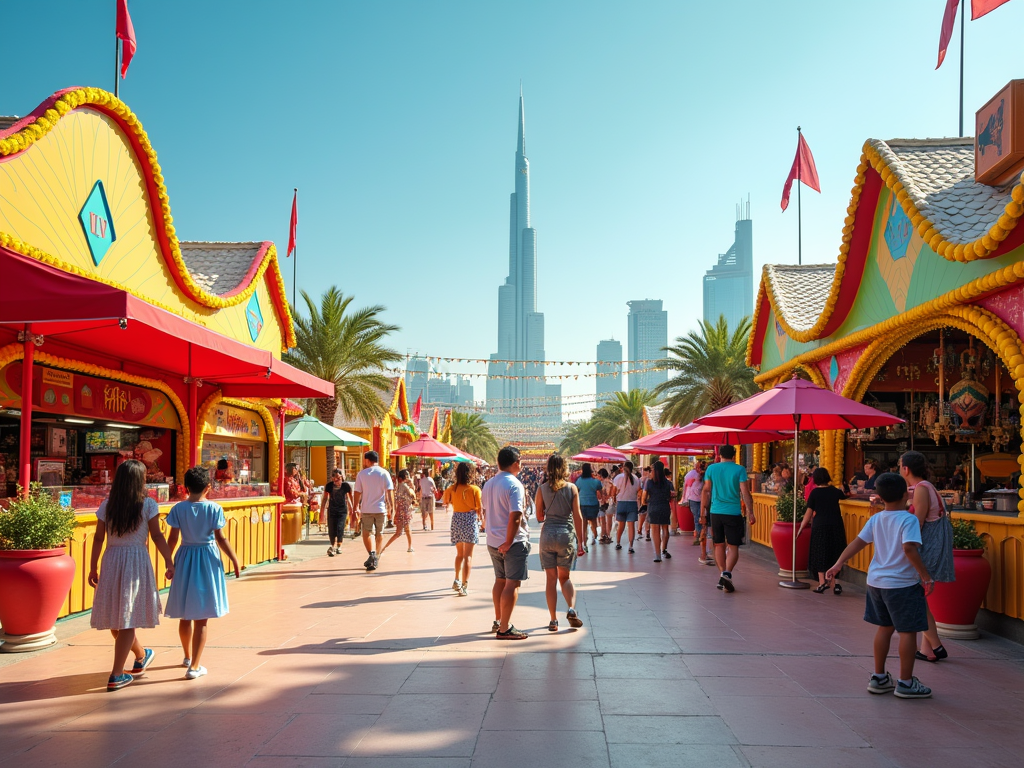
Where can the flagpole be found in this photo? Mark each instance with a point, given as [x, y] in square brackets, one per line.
[295, 257]
[799, 206]
[963, 5]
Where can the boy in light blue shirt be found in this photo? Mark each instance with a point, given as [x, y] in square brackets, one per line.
[897, 585]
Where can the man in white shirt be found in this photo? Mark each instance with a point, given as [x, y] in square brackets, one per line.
[375, 499]
[508, 540]
[427, 498]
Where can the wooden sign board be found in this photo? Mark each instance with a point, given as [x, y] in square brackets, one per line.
[999, 136]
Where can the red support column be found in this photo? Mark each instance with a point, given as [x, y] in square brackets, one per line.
[280, 477]
[193, 426]
[25, 447]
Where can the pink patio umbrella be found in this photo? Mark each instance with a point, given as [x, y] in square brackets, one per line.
[468, 456]
[600, 454]
[792, 406]
[427, 447]
[700, 434]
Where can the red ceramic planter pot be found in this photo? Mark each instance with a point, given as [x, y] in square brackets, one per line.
[782, 545]
[957, 602]
[35, 586]
[684, 516]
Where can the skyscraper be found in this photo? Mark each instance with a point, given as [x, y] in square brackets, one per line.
[609, 361]
[648, 336]
[520, 325]
[729, 285]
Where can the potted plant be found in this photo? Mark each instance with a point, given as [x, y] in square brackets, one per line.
[35, 570]
[782, 534]
[955, 604]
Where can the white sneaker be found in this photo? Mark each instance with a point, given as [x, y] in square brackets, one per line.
[456, 585]
[186, 662]
[410, 549]
[192, 674]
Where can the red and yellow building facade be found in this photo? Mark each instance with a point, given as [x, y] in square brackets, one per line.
[925, 298]
[118, 340]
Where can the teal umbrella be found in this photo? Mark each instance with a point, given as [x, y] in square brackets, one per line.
[311, 432]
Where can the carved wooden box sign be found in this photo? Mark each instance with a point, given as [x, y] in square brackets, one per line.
[999, 136]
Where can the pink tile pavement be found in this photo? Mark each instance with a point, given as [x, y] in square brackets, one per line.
[322, 664]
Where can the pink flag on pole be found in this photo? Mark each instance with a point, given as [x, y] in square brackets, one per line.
[803, 170]
[126, 32]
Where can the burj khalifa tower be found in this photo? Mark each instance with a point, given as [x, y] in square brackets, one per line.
[516, 387]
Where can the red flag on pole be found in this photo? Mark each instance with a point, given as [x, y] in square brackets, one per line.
[946, 34]
[294, 224]
[433, 425]
[126, 32]
[980, 7]
[417, 409]
[803, 170]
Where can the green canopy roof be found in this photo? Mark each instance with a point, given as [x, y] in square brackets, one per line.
[311, 432]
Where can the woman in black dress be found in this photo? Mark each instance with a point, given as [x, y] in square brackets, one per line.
[828, 535]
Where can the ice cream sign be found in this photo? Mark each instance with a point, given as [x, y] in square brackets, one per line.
[97, 223]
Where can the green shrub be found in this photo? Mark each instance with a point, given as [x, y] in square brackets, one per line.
[965, 535]
[37, 522]
[784, 507]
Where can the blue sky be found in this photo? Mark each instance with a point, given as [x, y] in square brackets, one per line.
[646, 123]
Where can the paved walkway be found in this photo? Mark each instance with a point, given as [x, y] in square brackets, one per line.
[321, 664]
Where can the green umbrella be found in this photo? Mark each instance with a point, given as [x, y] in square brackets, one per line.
[311, 432]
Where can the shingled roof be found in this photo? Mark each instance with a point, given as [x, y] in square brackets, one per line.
[219, 268]
[800, 292]
[938, 175]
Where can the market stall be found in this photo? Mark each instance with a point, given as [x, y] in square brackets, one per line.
[920, 317]
[118, 341]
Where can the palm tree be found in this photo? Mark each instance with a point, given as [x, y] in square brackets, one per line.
[621, 419]
[711, 371]
[471, 433]
[349, 349]
[576, 438]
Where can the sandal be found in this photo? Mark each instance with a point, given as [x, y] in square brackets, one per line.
[921, 657]
[821, 589]
[574, 620]
[940, 652]
[837, 589]
[619, 546]
[665, 554]
[631, 550]
[553, 625]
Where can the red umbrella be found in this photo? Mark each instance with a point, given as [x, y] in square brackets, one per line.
[428, 447]
[600, 454]
[792, 406]
[700, 434]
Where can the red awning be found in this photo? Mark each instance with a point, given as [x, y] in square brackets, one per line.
[76, 312]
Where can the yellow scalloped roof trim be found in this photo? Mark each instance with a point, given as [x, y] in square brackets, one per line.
[981, 248]
[965, 294]
[83, 97]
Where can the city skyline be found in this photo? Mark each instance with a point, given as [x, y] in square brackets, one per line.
[401, 191]
[729, 284]
[520, 325]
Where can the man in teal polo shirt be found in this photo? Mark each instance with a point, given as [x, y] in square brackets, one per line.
[726, 490]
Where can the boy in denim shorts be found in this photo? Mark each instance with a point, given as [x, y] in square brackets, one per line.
[897, 585]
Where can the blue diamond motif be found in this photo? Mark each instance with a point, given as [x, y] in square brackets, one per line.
[254, 317]
[833, 370]
[97, 223]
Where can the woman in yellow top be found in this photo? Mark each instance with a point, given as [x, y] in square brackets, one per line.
[467, 516]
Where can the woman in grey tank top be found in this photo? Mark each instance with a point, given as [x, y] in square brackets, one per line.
[561, 537]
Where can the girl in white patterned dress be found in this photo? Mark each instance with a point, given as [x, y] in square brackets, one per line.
[126, 598]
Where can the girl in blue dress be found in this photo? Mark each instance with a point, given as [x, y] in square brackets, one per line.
[198, 591]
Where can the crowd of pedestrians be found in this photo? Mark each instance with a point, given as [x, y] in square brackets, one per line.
[912, 540]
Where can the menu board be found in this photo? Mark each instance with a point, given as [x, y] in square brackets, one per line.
[108, 441]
